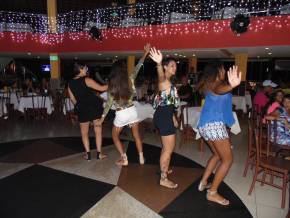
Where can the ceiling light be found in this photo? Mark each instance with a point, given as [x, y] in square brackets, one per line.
[29, 53]
[99, 54]
[267, 48]
[175, 54]
[269, 53]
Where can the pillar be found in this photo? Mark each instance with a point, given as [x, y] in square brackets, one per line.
[241, 60]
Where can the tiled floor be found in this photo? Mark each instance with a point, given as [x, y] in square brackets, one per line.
[264, 202]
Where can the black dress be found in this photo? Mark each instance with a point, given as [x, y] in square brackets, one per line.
[88, 106]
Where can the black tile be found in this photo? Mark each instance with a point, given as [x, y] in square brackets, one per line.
[76, 143]
[43, 192]
[193, 203]
[152, 156]
[10, 147]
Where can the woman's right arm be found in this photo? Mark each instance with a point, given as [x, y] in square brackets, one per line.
[234, 78]
[71, 96]
[96, 86]
[156, 56]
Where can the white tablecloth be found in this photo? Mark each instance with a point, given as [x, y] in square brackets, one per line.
[26, 102]
[144, 110]
[241, 102]
[193, 118]
[13, 99]
[3, 109]
[68, 106]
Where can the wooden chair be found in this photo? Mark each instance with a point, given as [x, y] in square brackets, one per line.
[187, 132]
[272, 166]
[251, 156]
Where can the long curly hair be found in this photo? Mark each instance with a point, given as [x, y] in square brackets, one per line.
[209, 77]
[120, 87]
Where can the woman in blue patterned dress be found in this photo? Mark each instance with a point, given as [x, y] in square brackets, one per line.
[215, 116]
[282, 115]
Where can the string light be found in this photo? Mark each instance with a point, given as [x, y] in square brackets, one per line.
[183, 17]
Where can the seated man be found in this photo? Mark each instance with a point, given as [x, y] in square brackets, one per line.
[261, 98]
[185, 90]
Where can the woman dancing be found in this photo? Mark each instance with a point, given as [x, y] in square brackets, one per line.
[216, 114]
[121, 88]
[165, 102]
[89, 107]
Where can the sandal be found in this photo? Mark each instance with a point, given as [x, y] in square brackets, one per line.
[123, 161]
[223, 202]
[141, 158]
[165, 182]
[87, 156]
[202, 187]
[101, 156]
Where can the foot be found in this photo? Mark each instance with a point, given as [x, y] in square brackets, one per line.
[123, 161]
[141, 158]
[101, 156]
[168, 183]
[164, 181]
[203, 185]
[87, 156]
[213, 196]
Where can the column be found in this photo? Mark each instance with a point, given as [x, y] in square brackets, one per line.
[130, 63]
[241, 60]
[52, 14]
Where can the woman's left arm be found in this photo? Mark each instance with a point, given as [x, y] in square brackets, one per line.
[234, 78]
[136, 70]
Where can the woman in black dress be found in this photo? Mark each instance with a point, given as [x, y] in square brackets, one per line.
[88, 106]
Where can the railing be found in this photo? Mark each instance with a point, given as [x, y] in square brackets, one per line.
[143, 14]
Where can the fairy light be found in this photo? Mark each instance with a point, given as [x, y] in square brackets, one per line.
[137, 20]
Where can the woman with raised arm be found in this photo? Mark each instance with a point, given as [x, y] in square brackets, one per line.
[165, 103]
[215, 116]
[121, 90]
[88, 106]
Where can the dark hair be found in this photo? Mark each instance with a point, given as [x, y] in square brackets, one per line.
[287, 96]
[166, 61]
[209, 76]
[271, 101]
[119, 85]
[77, 68]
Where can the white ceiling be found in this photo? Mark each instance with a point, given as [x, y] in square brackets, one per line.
[254, 52]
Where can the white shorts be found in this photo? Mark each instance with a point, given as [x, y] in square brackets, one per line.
[126, 117]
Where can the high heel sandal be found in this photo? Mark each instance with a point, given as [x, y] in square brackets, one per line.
[223, 202]
[123, 161]
[202, 187]
[164, 181]
[101, 156]
[87, 156]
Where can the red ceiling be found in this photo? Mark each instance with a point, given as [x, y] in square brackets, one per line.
[275, 31]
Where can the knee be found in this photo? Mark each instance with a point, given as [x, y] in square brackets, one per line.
[228, 161]
[216, 157]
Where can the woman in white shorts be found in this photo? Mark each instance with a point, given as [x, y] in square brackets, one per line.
[121, 89]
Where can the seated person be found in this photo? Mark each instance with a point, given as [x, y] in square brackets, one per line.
[185, 90]
[261, 98]
[282, 115]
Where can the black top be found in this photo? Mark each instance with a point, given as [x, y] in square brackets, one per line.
[89, 105]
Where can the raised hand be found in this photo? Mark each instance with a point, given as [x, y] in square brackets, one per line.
[147, 49]
[234, 76]
[155, 55]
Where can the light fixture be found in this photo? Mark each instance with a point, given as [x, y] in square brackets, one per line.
[267, 48]
[270, 53]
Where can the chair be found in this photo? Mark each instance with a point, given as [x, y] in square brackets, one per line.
[251, 156]
[272, 166]
[69, 109]
[187, 132]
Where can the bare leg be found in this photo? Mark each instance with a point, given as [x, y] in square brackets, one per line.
[223, 148]
[168, 143]
[85, 135]
[211, 163]
[98, 138]
[115, 135]
[123, 161]
[137, 138]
